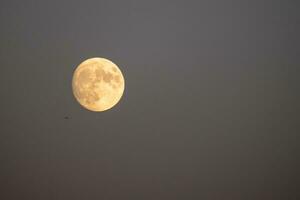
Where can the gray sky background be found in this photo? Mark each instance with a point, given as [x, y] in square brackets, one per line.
[210, 110]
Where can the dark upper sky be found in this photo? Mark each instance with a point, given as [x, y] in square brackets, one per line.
[210, 110]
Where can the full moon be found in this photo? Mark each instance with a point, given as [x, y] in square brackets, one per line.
[98, 84]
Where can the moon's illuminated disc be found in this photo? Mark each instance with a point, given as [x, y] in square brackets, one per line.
[98, 84]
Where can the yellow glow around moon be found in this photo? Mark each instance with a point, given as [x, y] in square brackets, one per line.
[98, 84]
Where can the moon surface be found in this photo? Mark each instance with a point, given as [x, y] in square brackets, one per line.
[98, 84]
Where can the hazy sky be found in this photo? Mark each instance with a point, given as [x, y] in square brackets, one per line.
[210, 109]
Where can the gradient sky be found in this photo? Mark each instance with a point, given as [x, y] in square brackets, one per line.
[210, 109]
